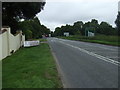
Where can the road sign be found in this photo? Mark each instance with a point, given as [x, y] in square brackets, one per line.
[90, 31]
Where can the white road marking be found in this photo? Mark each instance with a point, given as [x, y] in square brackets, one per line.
[93, 54]
[96, 46]
[52, 40]
[113, 57]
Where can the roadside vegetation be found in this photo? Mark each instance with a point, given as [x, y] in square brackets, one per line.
[80, 28]
[103, 33]
[102, 39]
[32, 67]
[33, 29]
[22, 16]
[43, 40]
[35, 67]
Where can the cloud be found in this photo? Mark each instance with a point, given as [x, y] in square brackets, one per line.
[60, 13]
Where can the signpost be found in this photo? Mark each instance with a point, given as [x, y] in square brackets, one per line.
[66, 34]
[90, 31]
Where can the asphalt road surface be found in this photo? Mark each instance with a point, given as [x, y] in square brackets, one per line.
[86, 65]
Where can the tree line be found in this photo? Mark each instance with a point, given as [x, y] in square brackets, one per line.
[79, 28]
[14, 12]
[33, 29]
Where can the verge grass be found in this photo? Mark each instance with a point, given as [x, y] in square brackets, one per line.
[102, 39]
[41, 39]
[32, 67]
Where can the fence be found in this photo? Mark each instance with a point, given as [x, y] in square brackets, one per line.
[9, 43]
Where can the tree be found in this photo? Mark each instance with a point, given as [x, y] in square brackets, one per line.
[35, 27]
[13, 12]
[26, 28]
[72, 29]
[78, 24]
[86, 25]
[58, 32]
[105, 28]
[94, 25]
[78, 27]
[28, 34]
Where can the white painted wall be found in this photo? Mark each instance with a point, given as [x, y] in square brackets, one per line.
[0, 47]
[9, 42]
[5, 51]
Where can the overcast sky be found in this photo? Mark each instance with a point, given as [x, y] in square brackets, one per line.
[62, 12]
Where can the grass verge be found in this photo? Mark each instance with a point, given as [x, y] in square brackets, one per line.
[32, 67]
[43, 39]
[101, 39]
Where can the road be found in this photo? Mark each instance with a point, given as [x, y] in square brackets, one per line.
[86, 65]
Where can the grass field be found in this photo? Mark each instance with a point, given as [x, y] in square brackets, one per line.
[32, 67]
[102, 39]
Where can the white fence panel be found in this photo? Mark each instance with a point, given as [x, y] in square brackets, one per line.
[10, 43]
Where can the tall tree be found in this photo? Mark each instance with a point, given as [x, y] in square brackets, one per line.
[105, 28]
[34, 28]
[94, 25]
[12, 12]
[78, 27]
[86, 25]
[57, 31]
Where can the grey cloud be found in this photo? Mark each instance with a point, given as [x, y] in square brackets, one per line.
[56, 13]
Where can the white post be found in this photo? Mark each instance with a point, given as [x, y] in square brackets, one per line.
[8, 38]
[0, 46]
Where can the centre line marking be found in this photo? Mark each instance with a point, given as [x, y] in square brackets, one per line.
[93, 54]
